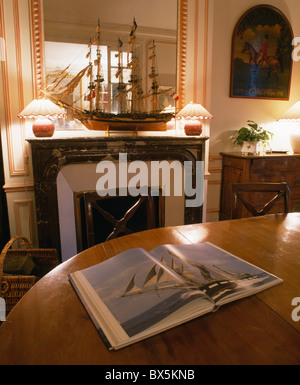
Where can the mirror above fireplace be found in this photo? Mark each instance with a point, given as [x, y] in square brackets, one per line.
[54, 21]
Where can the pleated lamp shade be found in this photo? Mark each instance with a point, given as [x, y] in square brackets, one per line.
[193, 114]
[41, 110]
[292, 114]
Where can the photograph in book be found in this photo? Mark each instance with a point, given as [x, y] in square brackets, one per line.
[144, 290]
[138, 290]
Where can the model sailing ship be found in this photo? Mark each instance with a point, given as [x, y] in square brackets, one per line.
[130, 99]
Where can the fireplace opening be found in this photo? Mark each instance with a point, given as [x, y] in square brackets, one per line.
[76, 179]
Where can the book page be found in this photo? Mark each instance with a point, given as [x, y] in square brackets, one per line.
[140, 291]
[221, 275]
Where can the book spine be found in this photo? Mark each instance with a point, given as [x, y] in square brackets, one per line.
[97, 326]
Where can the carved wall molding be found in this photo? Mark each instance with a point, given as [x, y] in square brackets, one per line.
[182, 50]
[37, 46]
[18, 187]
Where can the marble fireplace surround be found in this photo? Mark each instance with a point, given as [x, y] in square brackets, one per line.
[50, 155]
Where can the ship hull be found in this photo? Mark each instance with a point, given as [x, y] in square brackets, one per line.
[124, 124]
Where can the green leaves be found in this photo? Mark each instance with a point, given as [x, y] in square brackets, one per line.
[252, 133]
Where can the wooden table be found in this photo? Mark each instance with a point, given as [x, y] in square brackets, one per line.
[50, 326]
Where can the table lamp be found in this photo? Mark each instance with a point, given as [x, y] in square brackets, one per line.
[42, 110]
[193, 114]
[293, 115]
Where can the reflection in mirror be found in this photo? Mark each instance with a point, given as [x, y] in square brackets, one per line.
[69, 25]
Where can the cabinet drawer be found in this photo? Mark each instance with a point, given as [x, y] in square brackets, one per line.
[234, 162]
[284, 163]
[292, 179]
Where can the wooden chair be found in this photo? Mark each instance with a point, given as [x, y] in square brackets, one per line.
[110, 222]
[241, 192]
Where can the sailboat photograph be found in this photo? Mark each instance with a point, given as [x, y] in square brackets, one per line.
[210, 278]
[143, 289]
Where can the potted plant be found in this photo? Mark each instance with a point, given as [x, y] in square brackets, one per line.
[253, 138]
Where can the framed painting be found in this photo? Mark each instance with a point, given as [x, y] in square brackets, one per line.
[261, 56]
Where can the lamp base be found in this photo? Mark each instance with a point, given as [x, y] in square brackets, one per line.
[192, 127]
[43, 128]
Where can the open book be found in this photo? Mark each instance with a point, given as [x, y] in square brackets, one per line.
[137, 294]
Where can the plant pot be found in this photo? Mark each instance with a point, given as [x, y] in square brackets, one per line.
[251, 148]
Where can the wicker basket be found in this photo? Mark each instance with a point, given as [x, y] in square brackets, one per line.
[13, 287]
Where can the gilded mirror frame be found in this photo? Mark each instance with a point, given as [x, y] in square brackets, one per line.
[38, 48]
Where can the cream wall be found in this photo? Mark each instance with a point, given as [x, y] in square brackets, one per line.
[232, 113]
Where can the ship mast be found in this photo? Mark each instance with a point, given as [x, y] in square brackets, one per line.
[99, 78]
[121, 86]
[136, 89]
[91, 86]
[154, 75]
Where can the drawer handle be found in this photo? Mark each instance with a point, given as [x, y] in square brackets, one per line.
[282, 178]
[262, 179]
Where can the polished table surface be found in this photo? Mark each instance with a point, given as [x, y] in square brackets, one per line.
[50, 326]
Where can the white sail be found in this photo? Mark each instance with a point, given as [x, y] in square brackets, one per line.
[131, 286]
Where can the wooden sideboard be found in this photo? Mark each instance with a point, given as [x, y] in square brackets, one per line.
[238, 168]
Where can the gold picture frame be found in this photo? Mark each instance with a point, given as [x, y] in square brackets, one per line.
[261, 61]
